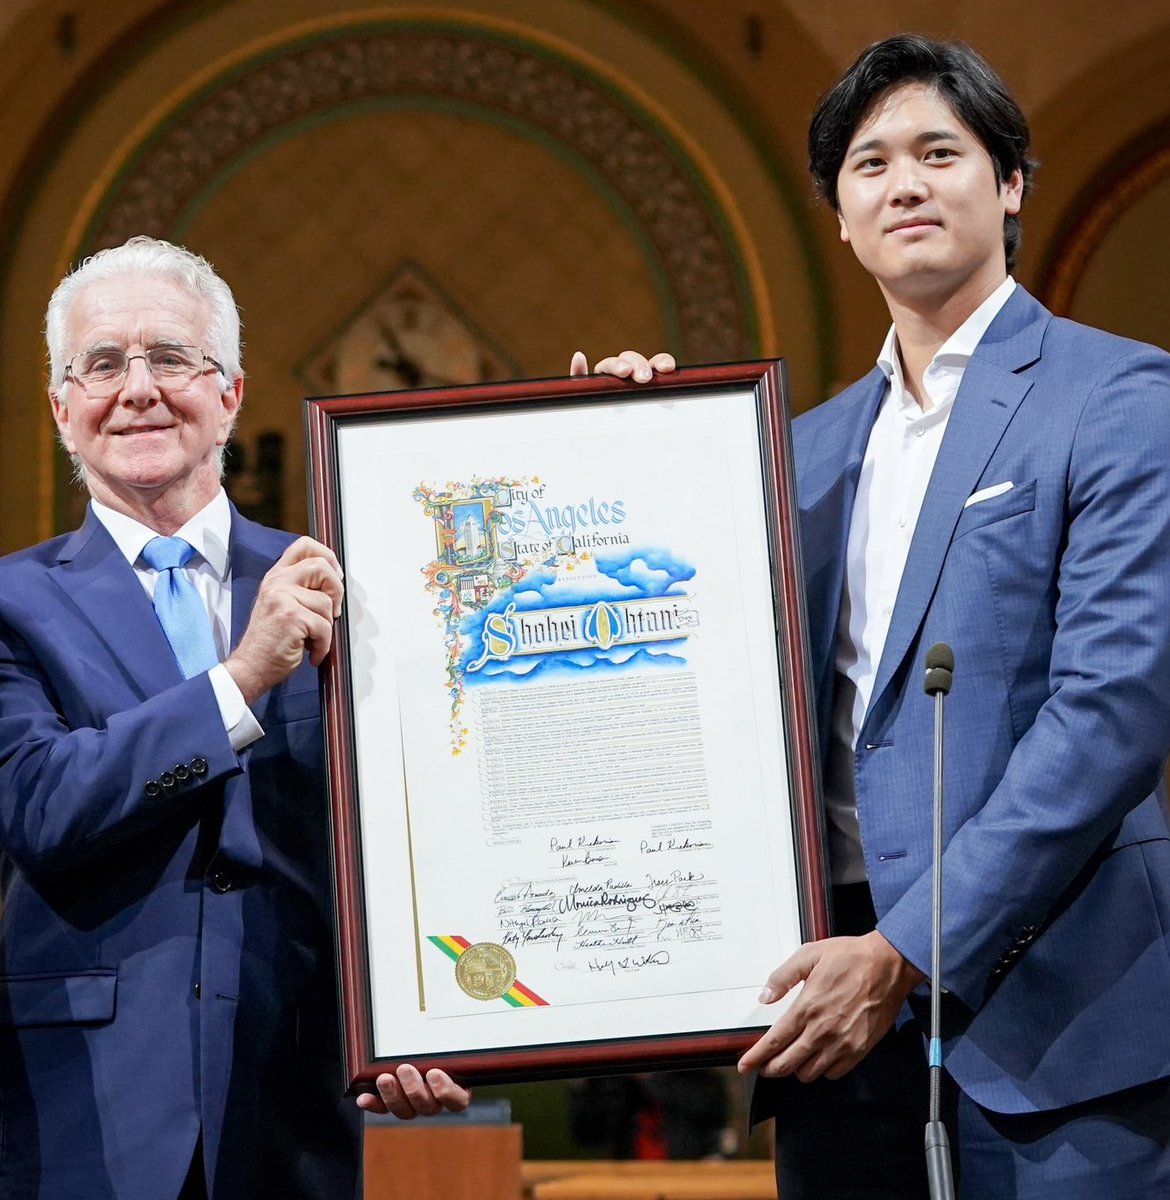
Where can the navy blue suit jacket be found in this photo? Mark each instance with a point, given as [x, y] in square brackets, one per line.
[167, 961]
[1055, 595]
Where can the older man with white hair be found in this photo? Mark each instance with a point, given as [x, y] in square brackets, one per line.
[168, 1022]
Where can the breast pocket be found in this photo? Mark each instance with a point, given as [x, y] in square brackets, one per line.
[285, 707]
[1015, 501]
[298, 698]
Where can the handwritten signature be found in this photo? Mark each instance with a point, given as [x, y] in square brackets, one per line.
[664, 844]
[657, 958]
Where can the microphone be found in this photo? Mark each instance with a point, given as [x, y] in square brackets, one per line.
[940, 667]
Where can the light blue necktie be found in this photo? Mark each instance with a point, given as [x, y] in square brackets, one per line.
[179, 607]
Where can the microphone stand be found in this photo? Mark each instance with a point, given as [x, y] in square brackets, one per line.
[940, 665]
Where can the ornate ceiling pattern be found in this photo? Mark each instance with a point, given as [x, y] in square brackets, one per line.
[473, 71]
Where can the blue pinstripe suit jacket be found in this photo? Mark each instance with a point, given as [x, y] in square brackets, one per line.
[1055, 596]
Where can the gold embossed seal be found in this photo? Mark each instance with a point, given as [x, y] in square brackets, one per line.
[485, 971]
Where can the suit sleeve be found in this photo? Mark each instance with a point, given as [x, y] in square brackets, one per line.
[1099, 742]
[67, 794]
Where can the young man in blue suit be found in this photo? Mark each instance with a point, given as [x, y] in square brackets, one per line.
[168, 1020]
[1000, 481]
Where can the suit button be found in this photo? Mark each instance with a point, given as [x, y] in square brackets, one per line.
[181, 772]
[221, 881]
[197, 989]
[199, 766]
[151, 788]
[167, 779]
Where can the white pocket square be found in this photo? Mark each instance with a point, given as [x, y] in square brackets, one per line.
[997, 489]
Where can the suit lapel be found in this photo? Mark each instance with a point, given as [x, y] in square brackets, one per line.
[988, 398]
[253, 549]
[92, 572]
[829, 476]
[249, 563]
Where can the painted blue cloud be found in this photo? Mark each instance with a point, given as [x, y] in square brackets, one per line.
[649, 572]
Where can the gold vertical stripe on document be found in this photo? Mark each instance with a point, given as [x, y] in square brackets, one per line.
[422, 995]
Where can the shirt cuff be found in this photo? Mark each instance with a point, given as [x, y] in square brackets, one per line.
[242, 727]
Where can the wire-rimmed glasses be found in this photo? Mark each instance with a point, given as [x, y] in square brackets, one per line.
[100, 372]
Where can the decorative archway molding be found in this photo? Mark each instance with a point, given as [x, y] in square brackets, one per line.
[725, 234]
[1137, 168]
[478, 72]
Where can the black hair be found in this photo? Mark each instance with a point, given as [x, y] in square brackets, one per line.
[962, 78]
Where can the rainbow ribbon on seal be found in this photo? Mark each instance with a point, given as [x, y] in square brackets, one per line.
[518, 996]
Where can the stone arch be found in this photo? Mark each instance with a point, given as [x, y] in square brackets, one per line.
[146, 139]
[491, 77]
[1122, 183]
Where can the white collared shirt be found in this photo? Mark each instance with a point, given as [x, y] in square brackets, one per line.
[209, 569]
[895, 472]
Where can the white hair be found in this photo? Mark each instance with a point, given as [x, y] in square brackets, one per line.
[148, 256]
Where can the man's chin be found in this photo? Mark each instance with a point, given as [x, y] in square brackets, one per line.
[147, 475]
[147, 471]
[923, 278]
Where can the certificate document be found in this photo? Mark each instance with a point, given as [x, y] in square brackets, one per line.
[565, 685]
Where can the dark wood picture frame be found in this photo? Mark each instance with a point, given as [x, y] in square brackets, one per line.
[324, 418]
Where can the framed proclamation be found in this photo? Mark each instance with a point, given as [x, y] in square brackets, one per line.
[569, 723]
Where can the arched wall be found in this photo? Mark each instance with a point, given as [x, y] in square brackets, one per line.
[566, 182]
[724, 90]
[1107, 252]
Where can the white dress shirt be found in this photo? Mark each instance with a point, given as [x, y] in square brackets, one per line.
[895, 472]
[209, 569]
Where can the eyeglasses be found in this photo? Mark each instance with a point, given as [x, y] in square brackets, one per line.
[100, 372]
